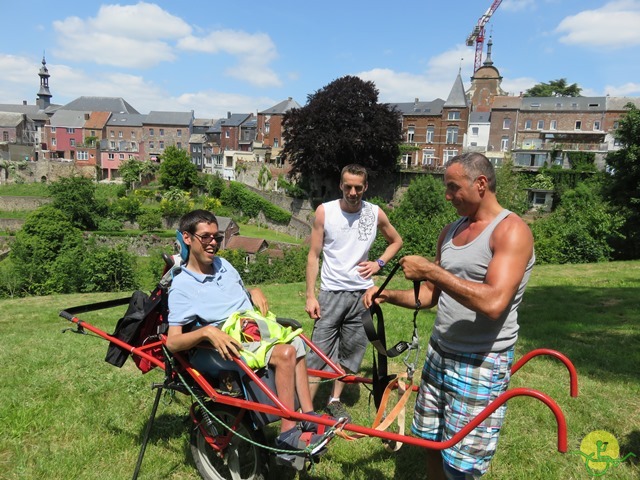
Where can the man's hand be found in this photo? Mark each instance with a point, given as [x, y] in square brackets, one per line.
[224, 344]
[259, 300]
[367, 269]
[417, 268]
[312, 308]
[367, 298]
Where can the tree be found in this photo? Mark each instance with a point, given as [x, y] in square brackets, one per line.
[341, 123]
[623, 179]
[555, 88]
[176, 169]
[76, 197]
[510, 188]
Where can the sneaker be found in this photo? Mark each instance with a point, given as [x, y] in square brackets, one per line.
[338, 410]
[309, 426]
[295, 439]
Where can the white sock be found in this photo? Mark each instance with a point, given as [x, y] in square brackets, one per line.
[334, 399]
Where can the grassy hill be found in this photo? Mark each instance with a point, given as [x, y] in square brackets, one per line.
[65, 413]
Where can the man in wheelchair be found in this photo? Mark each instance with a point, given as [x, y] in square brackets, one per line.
[206, 292]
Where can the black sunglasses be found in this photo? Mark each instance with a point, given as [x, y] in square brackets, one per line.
[207, 239]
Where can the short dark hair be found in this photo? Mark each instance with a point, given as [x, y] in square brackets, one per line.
[476, 164]
[354, 169]
[189, 221]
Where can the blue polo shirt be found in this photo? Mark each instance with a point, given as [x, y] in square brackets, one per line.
[207, 299]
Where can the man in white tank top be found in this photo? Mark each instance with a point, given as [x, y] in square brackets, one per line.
[481, 269]
[343, 231]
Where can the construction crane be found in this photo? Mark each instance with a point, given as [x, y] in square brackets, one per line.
[477, 35]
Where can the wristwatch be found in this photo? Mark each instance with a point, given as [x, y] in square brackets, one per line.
[381, 262]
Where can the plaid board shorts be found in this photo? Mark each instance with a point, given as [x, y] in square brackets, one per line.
[455, 387]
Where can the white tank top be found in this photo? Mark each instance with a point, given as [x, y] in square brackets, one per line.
[347, 240]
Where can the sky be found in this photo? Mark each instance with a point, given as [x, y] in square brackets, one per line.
[215, 57]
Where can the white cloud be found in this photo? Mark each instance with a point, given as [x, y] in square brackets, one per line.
[614, 25]
[254, 53]
[123, 36]
[630, 89]
[435, 82]
[517, 5]
[513, 86]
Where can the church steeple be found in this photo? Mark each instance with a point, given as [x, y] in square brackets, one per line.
[488, 62]
[44, 95]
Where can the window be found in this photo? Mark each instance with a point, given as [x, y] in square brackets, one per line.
[535, 105]
[275, 142]
[83, 155]
[506, 124]
[121, 156]
[134, 146]
[53, 142]
[112, 145]
[596, 125]
[527, 125]
[151, 132]
[133, 134]
[120, 134]
[226, 134]
[179, 145]
[151, 145]
[616, 124]
[5, 136]
[504, 144]
[454, 116]
[266, 128]
[539, 198]
[452, 134]
[475, 131]
[111, 156]
[72, 142]
[112, 133]
[161, 144]
[162, 132]
[430, 134]
[553, 125]
[449, 154]
[578, 125]
[179, 132]
[93, 133]
[53, 129]
[71, 130]
[410, 134]
[428, 157]
[540, 125]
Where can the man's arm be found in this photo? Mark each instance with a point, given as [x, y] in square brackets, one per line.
[312, 306]
[428, 293]
[394, 244]
[259, 300]
[512, 245]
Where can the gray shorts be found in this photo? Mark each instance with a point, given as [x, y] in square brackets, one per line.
[339, 332]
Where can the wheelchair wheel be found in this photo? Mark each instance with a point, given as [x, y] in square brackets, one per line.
[241, 459]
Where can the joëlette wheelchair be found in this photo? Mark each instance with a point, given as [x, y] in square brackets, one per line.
[234, 403]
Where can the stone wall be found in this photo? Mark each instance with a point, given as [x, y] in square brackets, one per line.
[10, 204]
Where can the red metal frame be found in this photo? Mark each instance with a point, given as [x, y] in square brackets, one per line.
[281, 411]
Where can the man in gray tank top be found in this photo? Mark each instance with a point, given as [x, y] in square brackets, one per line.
[482, 266]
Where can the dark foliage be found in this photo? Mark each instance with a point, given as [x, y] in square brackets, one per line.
[341, 123]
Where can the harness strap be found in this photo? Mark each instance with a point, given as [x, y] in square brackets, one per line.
[382, 422]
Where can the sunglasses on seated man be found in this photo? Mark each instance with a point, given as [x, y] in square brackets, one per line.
[207, 239]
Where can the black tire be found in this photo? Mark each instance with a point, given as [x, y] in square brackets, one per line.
[242, 460]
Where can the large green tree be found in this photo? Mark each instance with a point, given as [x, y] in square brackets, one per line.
[176, 169]
[623, 180]
[341, 123]
[76, 197]
[554, 88]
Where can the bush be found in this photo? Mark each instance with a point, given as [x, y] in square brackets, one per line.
[251, 204]
[150, 220]
[109, 270]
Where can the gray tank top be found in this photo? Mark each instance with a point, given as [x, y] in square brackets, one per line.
[459, 329]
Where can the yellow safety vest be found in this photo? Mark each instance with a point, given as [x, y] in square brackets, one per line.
[271, 333]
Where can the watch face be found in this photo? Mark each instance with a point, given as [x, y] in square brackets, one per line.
[381, 262]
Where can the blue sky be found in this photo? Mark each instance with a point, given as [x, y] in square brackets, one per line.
[213, 57]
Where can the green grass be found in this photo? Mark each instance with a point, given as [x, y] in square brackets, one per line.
[24, 190]
[65, 413]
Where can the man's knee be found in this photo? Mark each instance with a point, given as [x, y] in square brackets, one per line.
[283, 354]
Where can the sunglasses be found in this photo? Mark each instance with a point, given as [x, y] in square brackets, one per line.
[207, 239]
